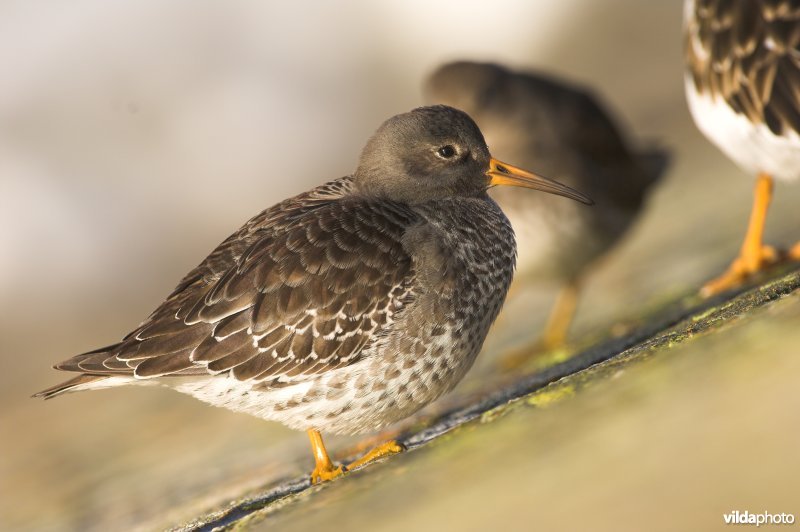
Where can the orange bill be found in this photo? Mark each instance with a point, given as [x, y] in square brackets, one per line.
[505, 174]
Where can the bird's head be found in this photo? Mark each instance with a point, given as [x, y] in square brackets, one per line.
[435, 153]
[473, 87]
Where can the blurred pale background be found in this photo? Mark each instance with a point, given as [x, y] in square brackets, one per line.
[136, 135]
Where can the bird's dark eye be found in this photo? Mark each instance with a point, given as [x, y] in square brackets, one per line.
[446, 152]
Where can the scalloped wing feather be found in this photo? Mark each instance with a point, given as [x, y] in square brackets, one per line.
[302, 288]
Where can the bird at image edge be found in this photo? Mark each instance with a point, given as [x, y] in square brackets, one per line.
[565, 132]
[345, 308]
[743, 88]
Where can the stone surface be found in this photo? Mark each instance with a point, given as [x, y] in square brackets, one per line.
[674, 386]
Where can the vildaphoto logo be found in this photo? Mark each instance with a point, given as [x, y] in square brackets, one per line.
[764, 518]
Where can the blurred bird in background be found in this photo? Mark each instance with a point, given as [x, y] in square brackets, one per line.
[565, 132]
[743, 88]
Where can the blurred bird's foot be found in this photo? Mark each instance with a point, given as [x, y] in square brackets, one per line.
[324, 469]
[754, 255]
[385, 449]
[518, 357]
[555, 332]
[794, 253]
[539, 351]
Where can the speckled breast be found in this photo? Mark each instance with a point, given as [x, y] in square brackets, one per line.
[435, 343]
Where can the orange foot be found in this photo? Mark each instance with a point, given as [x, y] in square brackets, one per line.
[324, 469]
[385, 449]
[519, 357]
[794, 253]
[745, 266]
[555, 332]
[372, 441]
[326, 474]
[754, 255]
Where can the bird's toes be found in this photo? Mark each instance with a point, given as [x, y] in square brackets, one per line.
[324, 475]
[385, 449]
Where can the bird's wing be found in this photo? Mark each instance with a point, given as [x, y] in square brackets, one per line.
[301, 289]
[748, 54]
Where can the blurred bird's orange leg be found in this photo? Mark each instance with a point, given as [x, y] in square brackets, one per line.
[754, 255]
[555, 332]
[384, 449]
[324, 469]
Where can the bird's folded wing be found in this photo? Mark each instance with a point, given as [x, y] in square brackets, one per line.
[301, 289]
[747, 53]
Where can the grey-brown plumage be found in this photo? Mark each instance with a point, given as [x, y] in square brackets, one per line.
[342, 309]
[340, 257]
[562, 131]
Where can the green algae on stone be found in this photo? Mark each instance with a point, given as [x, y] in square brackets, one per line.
[554, 385]
[550, 395]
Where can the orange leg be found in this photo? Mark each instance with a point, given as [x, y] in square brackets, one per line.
[754, 255]
[555, 332]
[324, 469]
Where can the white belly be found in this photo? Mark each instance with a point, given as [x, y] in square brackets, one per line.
[751, 146]
[351, 400]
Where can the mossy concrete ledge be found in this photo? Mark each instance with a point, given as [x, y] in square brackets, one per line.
[677, 322]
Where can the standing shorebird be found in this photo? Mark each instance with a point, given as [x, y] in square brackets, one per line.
[743, 88]
[345, 308]
[564, 132]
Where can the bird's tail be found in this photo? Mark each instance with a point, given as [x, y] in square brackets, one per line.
[655, 162]
[75, 384]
